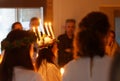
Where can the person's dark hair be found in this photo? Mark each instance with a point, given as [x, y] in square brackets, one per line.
[89, 44]
[95, 21]
[17, 53]
[45, 54]
[13, 25]
[90, 39]
[33, 19]
[70, 20]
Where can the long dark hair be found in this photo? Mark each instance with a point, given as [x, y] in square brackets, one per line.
[45, 54]
[90, 38]
[88, 44]
[17, 55]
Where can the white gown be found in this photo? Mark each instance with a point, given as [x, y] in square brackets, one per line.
[79, 70]
[49, 72]
[21, 74]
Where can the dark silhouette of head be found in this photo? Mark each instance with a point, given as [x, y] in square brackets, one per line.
[90, 36]
[17, 47]
[16, 25]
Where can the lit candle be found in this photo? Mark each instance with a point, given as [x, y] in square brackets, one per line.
[33, 28]
[46, 27]
[39, 33]
[41, 26]
[61, 71]
[51, 30]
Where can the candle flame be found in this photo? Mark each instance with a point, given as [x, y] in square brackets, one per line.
[62, 71]
[49, 23]
[41, 27]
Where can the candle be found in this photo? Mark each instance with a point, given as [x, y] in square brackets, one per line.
[39, 33]
[46, 27]
[41, 26]
[51, 31]
[61, 71]
[33, 28]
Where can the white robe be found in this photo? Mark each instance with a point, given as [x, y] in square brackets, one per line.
[21, 74]
[79, 70]
[49, 72]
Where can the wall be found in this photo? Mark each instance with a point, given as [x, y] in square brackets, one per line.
[77, 9]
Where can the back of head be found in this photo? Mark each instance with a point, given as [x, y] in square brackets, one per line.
[34, 22]
[91, 33]
[88, 44]
[17, 52]
[16, 25]
[95, 21]
[45, 54]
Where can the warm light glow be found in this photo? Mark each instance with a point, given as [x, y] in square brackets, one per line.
[61, 71]
[39, 33]
[1, 55]
[33, 28]
[41, 26]
[40, 43]
[47, 40]
[46, 27]
[0, 58]
[51, 30]
[39, 20]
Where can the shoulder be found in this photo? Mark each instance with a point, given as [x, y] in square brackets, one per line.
[73, 63]
[61, 36]
[27, 74]
[107, 60]
[52, 66]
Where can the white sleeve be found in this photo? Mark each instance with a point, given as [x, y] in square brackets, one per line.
[37, 77]
[53, 74]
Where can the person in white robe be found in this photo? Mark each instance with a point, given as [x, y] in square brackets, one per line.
[90, 61]
[47, 64]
